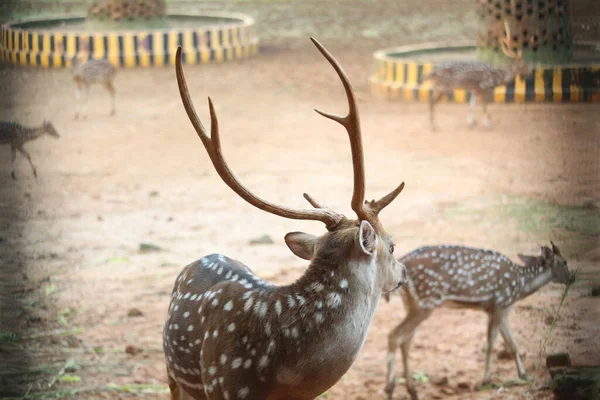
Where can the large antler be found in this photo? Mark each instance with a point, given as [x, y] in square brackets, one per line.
[213, 148]
[352, 124]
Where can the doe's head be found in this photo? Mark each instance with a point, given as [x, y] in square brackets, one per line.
[50, 129]
[552, 259]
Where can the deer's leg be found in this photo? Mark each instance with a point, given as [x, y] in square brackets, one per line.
[471, 115]
[13, 158]
[492, 334]
[486, 117]
[28, 157]
[111, 90]
[435, 97]
[402, 336]
[510, 341]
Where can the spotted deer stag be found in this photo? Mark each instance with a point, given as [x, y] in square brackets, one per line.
[231, 335]
[464, 277]
[89, 73]
[16, 135]
[479, 78]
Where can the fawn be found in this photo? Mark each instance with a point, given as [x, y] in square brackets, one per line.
[16, 135]
[89, 73]
[231, 335]
[479, 78]
[464, 277]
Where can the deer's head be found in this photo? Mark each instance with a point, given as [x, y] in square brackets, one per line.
[360, 244]
[551, 259]
[50, 130]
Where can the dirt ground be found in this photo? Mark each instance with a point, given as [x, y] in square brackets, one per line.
[111, 183]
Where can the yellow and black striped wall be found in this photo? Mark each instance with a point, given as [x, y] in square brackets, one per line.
[397, 78]
[149, 48]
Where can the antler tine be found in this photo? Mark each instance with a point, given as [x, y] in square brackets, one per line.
[383, 202]
[352, 124]
[212, 145]
[505, 43]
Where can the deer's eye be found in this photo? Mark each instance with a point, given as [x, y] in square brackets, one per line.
[392, 249]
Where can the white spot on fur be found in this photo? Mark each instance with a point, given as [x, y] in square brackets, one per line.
[343, 283]
[231, 327]
[228, 305]
[236, 363]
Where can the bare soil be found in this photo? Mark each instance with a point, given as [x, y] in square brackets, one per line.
[111, 183]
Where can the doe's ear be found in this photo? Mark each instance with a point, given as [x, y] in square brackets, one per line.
[302, 244]
[528, 261]
[555, 249]
[367, 237]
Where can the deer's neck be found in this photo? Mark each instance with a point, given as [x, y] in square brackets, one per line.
[331, 325]
[533, 278]
[28, 134]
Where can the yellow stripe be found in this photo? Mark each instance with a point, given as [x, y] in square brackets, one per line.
[129, 50]
[557, 84]
[538, 86]
[142, 50]
[113, 49]
[519, 89]
[235, 42]
[500, 94]
[157, 40]
[424, 87]
[172, 46]
[400, 73]
[460, 95]
[34, 46]
[99, 50]
[44, 60]
[188, 48]
[389, 71]
[45, 44]
[71, 50]
[412, 74]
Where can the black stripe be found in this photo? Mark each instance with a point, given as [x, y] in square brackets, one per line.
[468, 96]
[52, 44]
[90, 44]
[208, 38]
[151, 47]
[195, 39]
[548, 79]
[136, 46]
[12, 39]
[105, 43]
[419, 73]
[587, 83]
[530, 87]
[566, 85]
[405, 69]
[180, 43]
[450, 95]
[221, 41]
[509, 97]
[76, 44]
[121, 50]
[212, 54]
[38, 59]
[165, 48]
[40, 43]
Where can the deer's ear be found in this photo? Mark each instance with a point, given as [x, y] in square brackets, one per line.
[367, 237]
[528, 261]
[302, 244]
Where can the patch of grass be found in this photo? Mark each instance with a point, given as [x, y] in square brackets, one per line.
[139, 389]
[539, 216]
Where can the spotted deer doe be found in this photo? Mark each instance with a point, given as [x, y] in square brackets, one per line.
[89, 73]
[16, 135]
[231, 335]
[464, 277]
[479, 78]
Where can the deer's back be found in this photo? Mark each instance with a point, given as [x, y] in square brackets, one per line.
[467, 75]
[461, 276]
[94, 71]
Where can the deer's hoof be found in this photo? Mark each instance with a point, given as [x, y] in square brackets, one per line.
[389, 390]
[13, 175]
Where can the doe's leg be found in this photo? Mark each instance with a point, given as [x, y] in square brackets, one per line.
[434, 98]
[510, 341]
[492, 334]
[486, 117]
[471, 121]
[28, 157]
[111, 90]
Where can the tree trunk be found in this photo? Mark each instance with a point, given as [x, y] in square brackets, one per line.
[541, 28]
[117, 10]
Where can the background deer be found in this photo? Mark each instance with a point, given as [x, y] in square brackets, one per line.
[231, 335]
[16, 135]
[465, 277]
[477, 77]
[89, 73]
